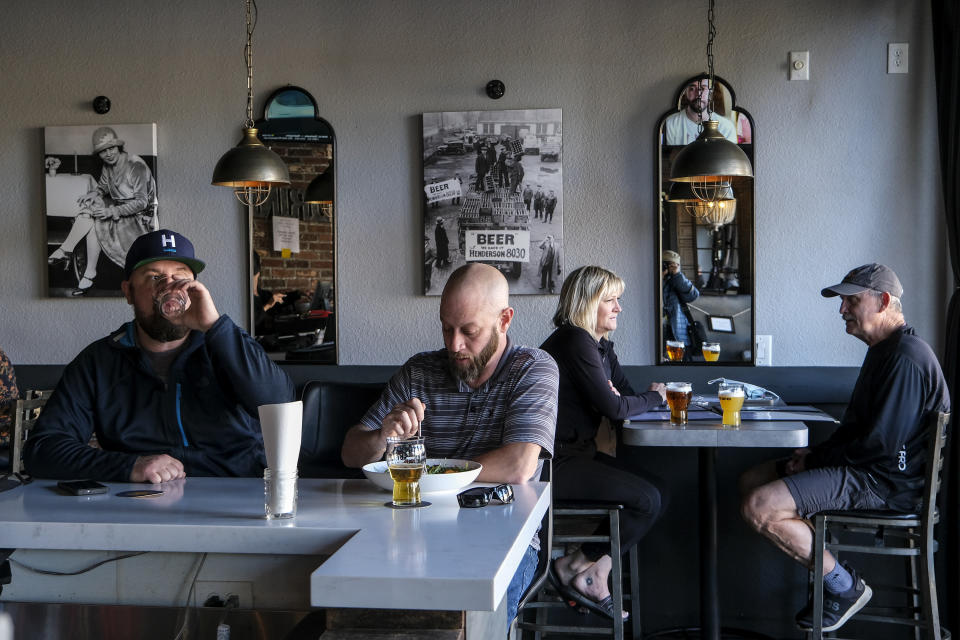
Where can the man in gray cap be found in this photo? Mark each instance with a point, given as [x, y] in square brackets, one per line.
[875, 458]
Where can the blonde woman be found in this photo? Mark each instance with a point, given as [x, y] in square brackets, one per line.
[593, 389]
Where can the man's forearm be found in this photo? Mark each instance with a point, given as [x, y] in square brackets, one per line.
[514, 463]
[362, 446]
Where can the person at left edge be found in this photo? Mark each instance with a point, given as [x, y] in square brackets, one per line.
[165, 398]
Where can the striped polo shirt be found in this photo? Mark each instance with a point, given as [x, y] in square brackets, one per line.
[517, 404]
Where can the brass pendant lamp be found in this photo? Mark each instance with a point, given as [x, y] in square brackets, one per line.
[716, 213]
[250, 168]
[711, 163]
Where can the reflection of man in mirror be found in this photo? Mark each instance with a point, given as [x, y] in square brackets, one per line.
[677, 292]
[683, 127]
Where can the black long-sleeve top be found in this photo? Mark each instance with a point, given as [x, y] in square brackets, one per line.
[883, 428]
[585, 396]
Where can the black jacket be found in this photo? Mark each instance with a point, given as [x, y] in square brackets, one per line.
[205, 416]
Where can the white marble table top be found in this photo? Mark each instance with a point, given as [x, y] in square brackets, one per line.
[709, 433]
[439, 557]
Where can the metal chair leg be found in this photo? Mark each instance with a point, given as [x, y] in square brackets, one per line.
[928, 590]
[913, 571]
[635, 627]
[816, 577]
[617, 575]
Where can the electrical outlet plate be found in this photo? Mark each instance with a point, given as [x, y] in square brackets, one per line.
[799, 65]
[764, 350]
[898, 58]
[224, 588]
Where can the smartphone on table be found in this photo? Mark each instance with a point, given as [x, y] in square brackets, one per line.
[81, 487]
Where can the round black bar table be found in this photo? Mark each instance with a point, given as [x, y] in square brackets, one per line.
[708, 435]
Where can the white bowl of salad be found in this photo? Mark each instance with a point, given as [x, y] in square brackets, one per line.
[443, 475]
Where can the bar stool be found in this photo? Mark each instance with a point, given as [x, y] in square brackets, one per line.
[540, 597]
[908, 535]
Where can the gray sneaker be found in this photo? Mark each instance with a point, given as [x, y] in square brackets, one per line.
[837, 607]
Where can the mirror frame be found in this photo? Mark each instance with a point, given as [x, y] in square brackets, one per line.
[300, 129]
[741, 188]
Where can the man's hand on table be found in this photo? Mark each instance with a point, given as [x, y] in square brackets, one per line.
[157, 469]
[403, 420]
[797, 462]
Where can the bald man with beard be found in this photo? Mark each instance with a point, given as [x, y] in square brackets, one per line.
[480, 398]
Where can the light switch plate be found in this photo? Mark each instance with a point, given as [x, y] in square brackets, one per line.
[799, 65]
[898, 59]
[764, 350]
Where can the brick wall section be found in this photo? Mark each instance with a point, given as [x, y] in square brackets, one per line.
[314, 263]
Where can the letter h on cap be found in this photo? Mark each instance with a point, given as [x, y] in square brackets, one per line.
[165, 240]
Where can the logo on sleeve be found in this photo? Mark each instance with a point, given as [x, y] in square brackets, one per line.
[902, 458]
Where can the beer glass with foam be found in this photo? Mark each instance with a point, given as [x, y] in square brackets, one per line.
[675, 350]
[679, 395]
[731, 401]
[711, 351]
[406, 459]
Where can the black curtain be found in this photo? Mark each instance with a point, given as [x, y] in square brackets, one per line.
[946, 43]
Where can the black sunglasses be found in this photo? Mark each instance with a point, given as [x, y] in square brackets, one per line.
[480, 496]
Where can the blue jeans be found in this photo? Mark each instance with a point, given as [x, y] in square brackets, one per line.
[521, 580]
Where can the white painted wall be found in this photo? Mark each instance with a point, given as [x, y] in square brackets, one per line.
[847, 168]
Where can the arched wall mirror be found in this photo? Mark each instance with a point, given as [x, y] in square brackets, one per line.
[293, 297]
[708, 247]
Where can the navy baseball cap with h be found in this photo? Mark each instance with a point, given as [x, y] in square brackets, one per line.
[876, 277]
[163, 244]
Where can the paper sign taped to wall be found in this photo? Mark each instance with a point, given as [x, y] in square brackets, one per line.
[442, 190]
[286, 234]
[504, 244]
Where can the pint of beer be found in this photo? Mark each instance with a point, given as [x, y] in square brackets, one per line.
[711, 351]
[731, 401]
[675, 350]
[678, 397]
[405, 461]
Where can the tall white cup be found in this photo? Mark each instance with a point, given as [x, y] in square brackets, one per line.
[281, 425]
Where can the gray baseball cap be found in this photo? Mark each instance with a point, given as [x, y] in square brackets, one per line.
[876, 277]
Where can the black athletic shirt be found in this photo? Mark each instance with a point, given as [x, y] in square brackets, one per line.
[883, 428]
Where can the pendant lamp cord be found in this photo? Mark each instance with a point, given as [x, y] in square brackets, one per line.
[248, 58]
[711, 34]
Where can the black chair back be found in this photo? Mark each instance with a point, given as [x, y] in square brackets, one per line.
[939, 430]
[329, 410]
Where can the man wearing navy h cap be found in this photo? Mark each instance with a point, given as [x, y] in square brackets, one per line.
[166, 397]
[874, 459]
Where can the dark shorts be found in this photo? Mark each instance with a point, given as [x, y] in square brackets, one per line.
[831, 488]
